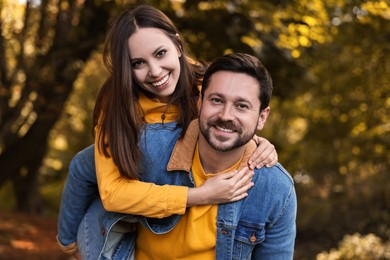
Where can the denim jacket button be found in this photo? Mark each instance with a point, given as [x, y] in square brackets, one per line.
[103, 231]
[224, 232]
[252, 238]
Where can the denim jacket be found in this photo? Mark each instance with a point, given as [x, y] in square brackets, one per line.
[261, 226]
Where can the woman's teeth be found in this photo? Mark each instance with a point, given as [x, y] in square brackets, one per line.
[161, 82]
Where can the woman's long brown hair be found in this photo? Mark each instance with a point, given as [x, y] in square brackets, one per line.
[117, 113]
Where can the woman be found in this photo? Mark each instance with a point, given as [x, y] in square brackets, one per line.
[153, 85]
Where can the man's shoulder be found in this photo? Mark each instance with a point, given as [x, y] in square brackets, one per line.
[274, 181]
[276, 173]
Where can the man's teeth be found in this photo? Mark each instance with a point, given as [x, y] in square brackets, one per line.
[159, 83]
[224, 129]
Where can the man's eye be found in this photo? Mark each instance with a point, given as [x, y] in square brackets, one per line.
[216, 100]
[161, 53]
[242, 106]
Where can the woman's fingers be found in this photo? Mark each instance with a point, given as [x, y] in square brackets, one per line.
[265, 154]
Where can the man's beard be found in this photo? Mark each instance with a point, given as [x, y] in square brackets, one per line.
[221, 143]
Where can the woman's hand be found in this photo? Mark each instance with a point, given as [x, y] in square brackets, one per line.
[222, 188]
[265, 154]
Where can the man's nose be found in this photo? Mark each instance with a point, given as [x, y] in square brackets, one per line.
[227, 112]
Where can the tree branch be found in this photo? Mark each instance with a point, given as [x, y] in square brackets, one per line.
[42, 28]
[4, 81]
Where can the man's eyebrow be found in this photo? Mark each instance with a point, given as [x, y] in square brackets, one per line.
[216, 94]
[221, 95]
[241, 99]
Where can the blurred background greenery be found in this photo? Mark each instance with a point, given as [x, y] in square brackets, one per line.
[330, 112]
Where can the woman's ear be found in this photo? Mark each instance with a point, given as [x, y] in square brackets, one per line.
[263, 118]
[179, 48]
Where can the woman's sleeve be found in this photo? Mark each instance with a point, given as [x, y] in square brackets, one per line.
[122, 195]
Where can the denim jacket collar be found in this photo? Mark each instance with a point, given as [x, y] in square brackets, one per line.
[183, 152]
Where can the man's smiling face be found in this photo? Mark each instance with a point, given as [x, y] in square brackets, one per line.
[230, 110]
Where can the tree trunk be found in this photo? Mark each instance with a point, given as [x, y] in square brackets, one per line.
[50, 78]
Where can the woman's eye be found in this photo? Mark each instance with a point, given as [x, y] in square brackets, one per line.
[137, 64]
[161, 53]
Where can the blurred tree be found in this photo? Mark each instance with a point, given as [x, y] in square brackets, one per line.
[337, 122]
[72, 132]
[41, 56]
[214, 28]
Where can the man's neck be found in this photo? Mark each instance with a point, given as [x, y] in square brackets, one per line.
[214, 161]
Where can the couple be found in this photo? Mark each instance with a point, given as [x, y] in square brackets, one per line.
[234, 103]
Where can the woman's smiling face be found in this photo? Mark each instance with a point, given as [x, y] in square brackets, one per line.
[155, 62]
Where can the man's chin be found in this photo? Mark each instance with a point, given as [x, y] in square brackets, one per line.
[222, 146]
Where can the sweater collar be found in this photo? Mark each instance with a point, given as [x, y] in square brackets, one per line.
[155, 111]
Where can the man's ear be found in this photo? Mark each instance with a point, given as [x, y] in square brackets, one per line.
[263, 118]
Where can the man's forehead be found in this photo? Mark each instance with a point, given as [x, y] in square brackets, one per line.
[229, 83]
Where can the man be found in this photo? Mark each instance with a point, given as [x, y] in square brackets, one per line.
[236, 92]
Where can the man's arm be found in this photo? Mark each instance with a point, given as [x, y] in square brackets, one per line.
[280, 237]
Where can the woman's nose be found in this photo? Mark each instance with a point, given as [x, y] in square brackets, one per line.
[154, 70]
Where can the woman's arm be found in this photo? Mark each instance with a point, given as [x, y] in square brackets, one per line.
[120, 194]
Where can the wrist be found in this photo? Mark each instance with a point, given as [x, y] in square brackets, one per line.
[196, 196]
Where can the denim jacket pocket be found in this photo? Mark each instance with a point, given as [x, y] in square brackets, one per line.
[250, 233]
[247, 236]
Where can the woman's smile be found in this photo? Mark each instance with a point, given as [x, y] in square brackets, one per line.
[161, 83]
